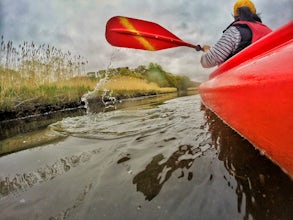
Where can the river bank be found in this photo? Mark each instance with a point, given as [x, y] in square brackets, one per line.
[26, 93]
[27, 101]
[34, 107]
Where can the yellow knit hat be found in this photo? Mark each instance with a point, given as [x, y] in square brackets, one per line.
[244, 3]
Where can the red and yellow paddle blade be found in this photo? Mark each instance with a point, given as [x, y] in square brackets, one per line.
[140, 34]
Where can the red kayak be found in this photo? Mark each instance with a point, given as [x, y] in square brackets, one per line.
[253, 93]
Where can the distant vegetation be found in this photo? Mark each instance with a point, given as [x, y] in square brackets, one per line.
[153, 73]
[32, 75]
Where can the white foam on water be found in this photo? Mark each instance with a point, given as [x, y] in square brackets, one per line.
[108, 99]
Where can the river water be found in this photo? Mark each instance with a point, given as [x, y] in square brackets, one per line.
[170, 160]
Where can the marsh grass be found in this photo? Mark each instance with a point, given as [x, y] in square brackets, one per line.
[17, 91]
[32, 76]
[36, 61]
[124, 84]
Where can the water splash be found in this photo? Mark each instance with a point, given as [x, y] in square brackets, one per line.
[109, 101]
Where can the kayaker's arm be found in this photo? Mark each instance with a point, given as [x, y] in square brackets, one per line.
[227, 44]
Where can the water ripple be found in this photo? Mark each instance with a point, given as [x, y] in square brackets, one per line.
[119, 124]
[24, 181]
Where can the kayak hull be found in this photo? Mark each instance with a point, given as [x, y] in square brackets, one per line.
[255, 97]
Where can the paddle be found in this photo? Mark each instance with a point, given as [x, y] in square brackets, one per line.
[140, 34]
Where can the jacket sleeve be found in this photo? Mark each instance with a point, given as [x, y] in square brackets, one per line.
[227, 44]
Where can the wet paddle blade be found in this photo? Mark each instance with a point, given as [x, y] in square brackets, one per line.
[140, 34]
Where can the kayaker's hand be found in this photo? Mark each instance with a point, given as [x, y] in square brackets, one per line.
[198, 48]
[206, 48]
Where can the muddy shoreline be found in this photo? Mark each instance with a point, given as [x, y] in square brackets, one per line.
[31, 110]
[34, 109]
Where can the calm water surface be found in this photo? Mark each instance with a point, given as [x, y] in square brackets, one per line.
[173, 161]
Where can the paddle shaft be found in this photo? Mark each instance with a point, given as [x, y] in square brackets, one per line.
[158, 37]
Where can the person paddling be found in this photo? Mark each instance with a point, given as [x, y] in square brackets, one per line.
[246, 29]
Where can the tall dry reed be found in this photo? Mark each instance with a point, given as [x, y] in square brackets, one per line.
[43, 63]
[29, 71]
[124, 83]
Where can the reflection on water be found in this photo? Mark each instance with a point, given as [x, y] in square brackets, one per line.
[157, 172]
[29, 140]
[13, 127]
[263, 190]
[175, 160]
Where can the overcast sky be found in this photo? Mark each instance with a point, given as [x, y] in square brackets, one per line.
[79, 26]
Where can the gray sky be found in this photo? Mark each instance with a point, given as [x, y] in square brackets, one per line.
[79, 26]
